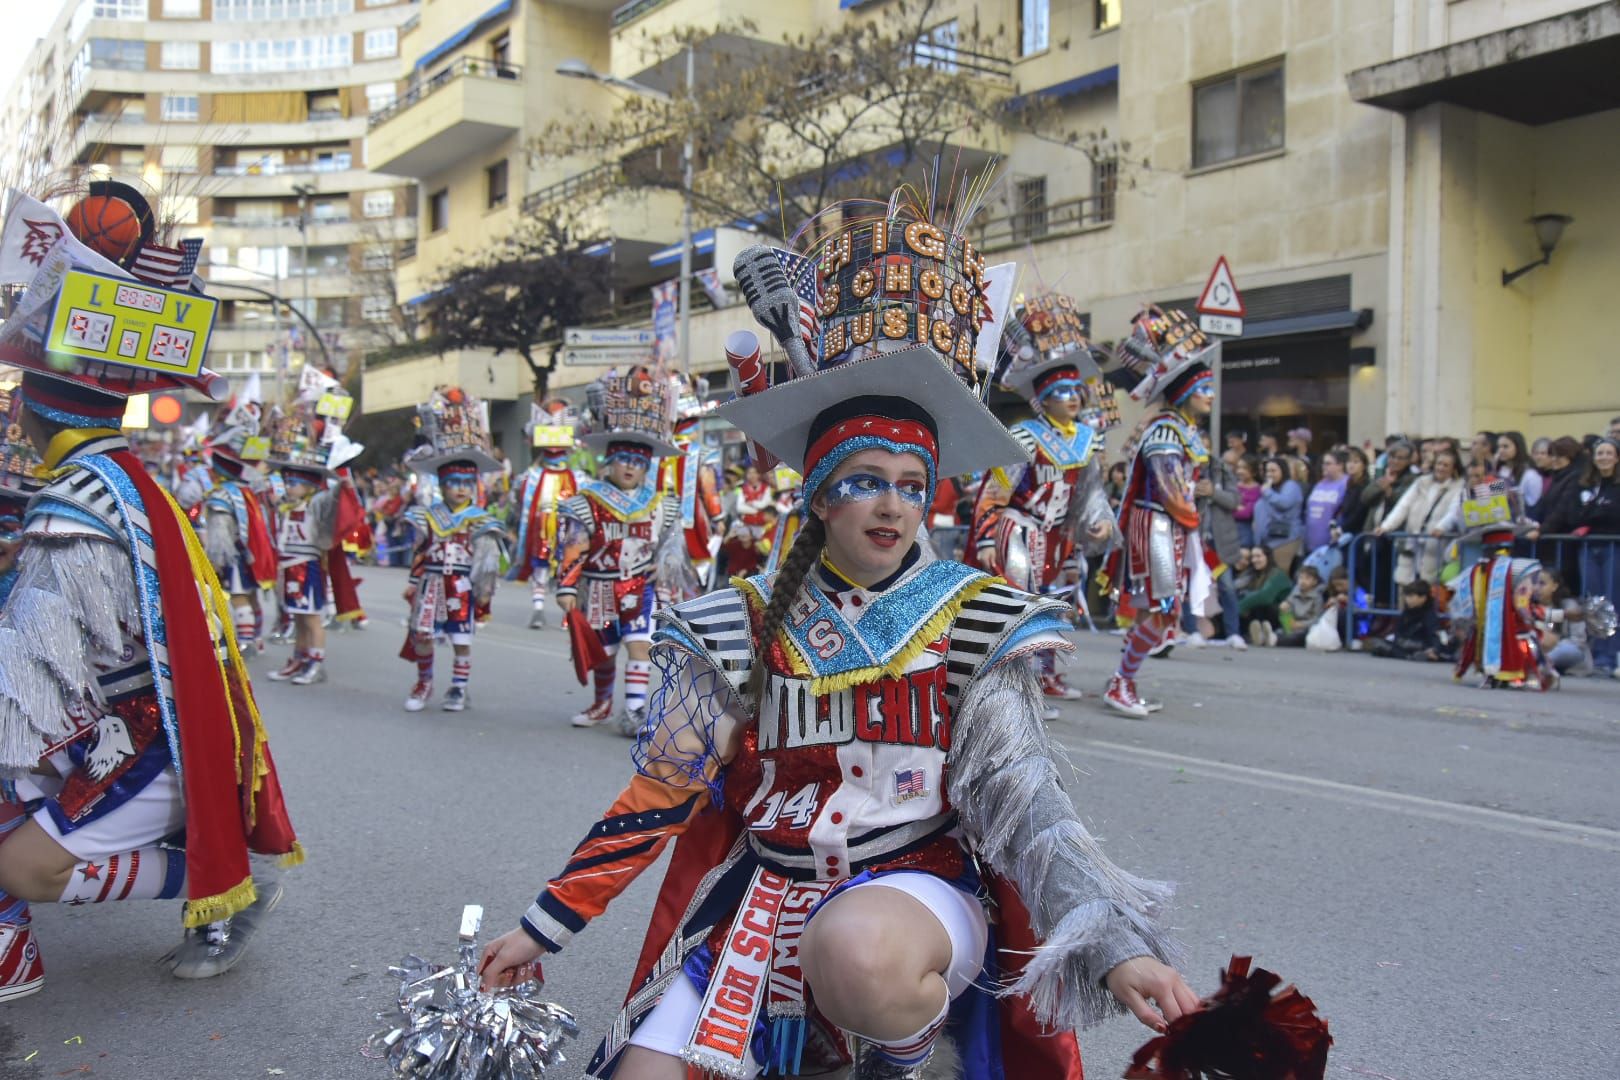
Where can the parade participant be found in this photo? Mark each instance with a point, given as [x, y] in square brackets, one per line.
[127, 718]
[308, 450]
[234, 532]
[1501, 643]
[458, 549]
[852, 754]
[1029, 521]
[753, 496]
[692, 479]
[540, 493]
[1161, 562]
[619, 537]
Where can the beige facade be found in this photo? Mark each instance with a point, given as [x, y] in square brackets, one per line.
[223, 109]
[1368, 242]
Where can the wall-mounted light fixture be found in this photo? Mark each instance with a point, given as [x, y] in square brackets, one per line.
[1549, 228]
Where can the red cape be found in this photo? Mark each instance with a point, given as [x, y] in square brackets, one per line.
[233, 797]
[349, 526]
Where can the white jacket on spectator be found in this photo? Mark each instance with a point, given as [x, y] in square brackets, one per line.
[1421, 510]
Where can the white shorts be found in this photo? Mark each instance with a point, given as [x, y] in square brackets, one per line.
[668, 1028]
[152, 813]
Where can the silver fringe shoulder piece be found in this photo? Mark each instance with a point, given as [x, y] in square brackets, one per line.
[74, 602]
[323, 507]
[1088, 914]
[219, 535]
[486, 563]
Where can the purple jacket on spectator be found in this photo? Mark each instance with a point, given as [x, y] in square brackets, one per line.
[1320, 510]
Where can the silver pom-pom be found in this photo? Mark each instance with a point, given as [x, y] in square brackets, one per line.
[1600, 616]
[445, 1028]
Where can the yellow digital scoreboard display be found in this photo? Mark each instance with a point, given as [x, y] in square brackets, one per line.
[122, 321]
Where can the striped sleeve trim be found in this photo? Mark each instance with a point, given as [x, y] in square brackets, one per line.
[548, 933]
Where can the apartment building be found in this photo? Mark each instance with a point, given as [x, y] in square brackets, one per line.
[1227, 127]
[247, 118]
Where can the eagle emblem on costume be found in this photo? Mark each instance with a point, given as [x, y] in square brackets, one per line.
[113, 747]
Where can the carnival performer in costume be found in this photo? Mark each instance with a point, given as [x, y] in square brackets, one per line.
[458, 547]
[1161, 562]
[852, 754]
[1030, 521]
[622, 547]
[1502, 643]
[308, 450]
[692, 480]
[234, 531]
[126, 715]
[540, 493]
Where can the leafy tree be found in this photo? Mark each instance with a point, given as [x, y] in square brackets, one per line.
[518, 297]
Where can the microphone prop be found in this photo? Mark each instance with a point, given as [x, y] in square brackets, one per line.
[771, 298]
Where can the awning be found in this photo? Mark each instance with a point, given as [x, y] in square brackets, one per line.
[701, 242]
[1307, 324]
[1080, 84]
[1544, 71]
[462, 36]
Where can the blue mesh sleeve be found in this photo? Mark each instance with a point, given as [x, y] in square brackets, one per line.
[687, 717]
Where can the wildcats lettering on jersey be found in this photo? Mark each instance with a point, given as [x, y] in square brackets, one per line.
[906, 710]
[623, 530]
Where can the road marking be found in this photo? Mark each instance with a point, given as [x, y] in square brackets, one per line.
[1505, 821]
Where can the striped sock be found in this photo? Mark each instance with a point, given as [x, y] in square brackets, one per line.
[424, 669]
[604, 673]
[461, 671]
[152, 873]
[246, 627]
[315, 656]
[13, 912]
[636, 675]
[912, 1050]
[1138, 643]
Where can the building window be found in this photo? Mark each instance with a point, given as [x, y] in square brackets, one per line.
[377, 258]
[500, 50]
[376, 308]
[112, 54]
[495, 185]
[377, 204]
[937, 47]
[126, 10]
[179, 107]
[1104, 186]
[439, 210]
[179, 159]
[282, 54]
[1106, 13]
[266, 10]
[182, 9]
[181, 55]
[1034, 26]
[380, 95]
[1029, 215]
[333, 160]
[1238, 116]
[381, 43]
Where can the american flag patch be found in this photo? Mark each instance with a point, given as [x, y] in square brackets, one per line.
[801, 274]
[908, 784]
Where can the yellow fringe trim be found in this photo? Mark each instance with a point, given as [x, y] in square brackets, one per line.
[67, 440]
[914, 647]
[222, 906]
[295, 857]
[646, 511]
[351, 616]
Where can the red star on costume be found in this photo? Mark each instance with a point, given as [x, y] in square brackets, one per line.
[91, 871]
[77, 901]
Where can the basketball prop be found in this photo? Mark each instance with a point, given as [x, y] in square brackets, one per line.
[113, 220]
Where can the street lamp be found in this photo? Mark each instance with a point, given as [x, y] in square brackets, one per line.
[579, 69]
[1549, 229]
[304, 191]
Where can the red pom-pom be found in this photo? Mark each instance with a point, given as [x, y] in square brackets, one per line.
[1242, 1032]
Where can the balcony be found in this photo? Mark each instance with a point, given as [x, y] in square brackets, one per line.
[643, 28]
[275, 232]
[455, 114]
[1033, 225]
[252, 182]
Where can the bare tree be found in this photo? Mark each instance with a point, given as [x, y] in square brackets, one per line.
[854, 110]
[519, 296]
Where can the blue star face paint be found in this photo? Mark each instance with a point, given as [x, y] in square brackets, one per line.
[864, 487]
[1063, 390]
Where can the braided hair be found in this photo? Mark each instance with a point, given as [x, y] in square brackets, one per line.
[796, 564]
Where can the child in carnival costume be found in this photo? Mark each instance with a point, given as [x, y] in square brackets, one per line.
[137, 762]
[620, 537]
[1029, 522]
[851, 750]
[308, 450]
[235, 534]
[1502, 643]
[458, 544]
[1161, 562]
[539, 494]
[692, 479]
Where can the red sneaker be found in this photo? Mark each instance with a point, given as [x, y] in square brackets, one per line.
[1121, 697]
[593, 715]
[22, 971]
[295, 664]
[1054, 686]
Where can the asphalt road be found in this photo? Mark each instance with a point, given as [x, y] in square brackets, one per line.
[1437, 866]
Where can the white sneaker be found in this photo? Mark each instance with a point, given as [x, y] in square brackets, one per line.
[1236, 641]
[418, 698]
[1050, 713]
[1271, 636]
[1196, 640]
